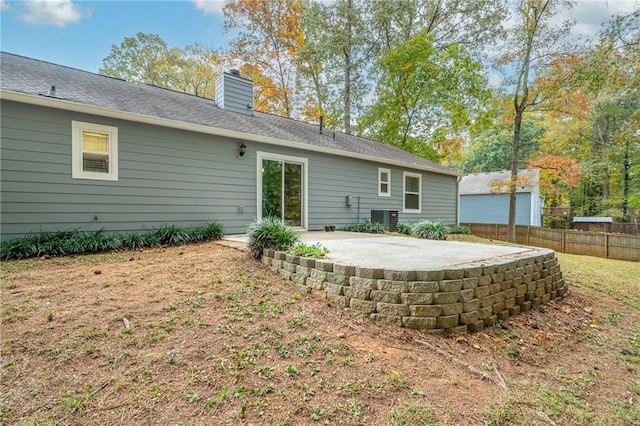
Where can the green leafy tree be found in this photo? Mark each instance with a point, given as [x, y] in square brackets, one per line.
[426, 98]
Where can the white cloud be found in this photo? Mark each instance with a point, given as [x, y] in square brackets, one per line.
[51, 13]
[591, 14]
[3, 5]
[213, 7]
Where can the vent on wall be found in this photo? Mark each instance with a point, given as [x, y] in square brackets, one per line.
[388, 218]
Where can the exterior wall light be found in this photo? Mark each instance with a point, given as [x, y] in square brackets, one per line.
[243, 149]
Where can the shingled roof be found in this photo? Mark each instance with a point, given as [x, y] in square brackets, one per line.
[480, 183]
[97, 94]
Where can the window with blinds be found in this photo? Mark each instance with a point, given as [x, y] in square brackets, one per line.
[95, 151]
[412, 192]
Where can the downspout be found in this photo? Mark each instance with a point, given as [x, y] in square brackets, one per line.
[458, 199]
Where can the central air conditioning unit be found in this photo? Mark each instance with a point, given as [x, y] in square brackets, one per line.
[388, 218]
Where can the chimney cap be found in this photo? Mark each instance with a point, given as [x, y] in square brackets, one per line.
[234, 72]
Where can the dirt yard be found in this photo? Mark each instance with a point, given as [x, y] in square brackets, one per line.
[204, 334]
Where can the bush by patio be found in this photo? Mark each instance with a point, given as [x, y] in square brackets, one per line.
[272, 233]
[431, 230]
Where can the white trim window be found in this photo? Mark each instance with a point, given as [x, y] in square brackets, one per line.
[95, 151]
[384, 182]
[412, 190]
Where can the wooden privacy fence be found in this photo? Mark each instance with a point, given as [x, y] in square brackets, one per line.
[610, 246]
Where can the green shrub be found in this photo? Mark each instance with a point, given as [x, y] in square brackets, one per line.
[309, 250]
[271, 233]
[431, 230]
[404, 228]
[459, 229]
[79, 242]
[366, 226]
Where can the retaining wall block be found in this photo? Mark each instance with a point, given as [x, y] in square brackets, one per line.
[399, 275]
[365, 306]
[307, 262]
[299, 279]
[268, 252]
[521, 289]
[276, 263]
[486, 312]
[303, 270]
[374, 273]
[344, 270]
[430, 275]
[488, 270]
[488, 322]
[514, 311]
[451, 308]
[507, 284]
[392, 285]
[423, 286]
[425, 310]
[395, 309]
[497, 278]
[479, 292]
[502, 316]
[498, 307]
[486, 301]
[339, 279]
[546, 298]
[385, 296]
[422, 323]
[461, 329]
[318, 275]
[510, 293]
[265, 260]
[366, 283]
[509, 275]
[356, 313]
[386, 319]
[525, 306]
[469, 317]
[303, 288]
[495, 288]
[324, 265]
[340, 301]
[517, 281]
[416, 298]
[447, 321]
[292, 258]
[446, 297]
[454, 274]
[519, 299]
[484, 280]
[519, 271]
[450, 285]
[434, 332]
[280, 255]
[471, 305]
[285, 274]
[472, 271]
[315, 283]
[476, 326]
[509, 303]
[498, 297]
[291, 267]
[333, 289]
[466, 295]
[356, 293]
[469, 283]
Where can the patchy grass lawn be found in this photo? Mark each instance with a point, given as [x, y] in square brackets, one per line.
[203, 334]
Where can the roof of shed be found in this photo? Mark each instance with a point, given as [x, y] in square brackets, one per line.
[142, 102]
[480, 183]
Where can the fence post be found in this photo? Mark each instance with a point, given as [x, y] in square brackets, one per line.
[563, 245]
[606, 245]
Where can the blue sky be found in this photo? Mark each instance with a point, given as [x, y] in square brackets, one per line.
[80, 34]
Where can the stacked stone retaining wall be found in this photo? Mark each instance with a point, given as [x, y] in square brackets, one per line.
[456, 299]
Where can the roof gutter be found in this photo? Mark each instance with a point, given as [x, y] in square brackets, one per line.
[199, 128]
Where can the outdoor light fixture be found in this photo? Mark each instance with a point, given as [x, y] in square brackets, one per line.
[243, 149]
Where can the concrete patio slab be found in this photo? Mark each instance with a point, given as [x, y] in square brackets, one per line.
[401, 253]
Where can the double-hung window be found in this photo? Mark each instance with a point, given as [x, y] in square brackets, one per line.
[384, 182]
[412, 189]
[95, 151]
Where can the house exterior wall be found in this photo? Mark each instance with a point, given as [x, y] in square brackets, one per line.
[487, 208]
[170, 176]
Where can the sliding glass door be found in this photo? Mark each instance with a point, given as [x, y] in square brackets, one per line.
[282, 189]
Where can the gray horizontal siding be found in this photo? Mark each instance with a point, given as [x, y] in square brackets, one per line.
[494, 208]
[177, 177]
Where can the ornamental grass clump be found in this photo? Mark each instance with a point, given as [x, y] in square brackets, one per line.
[366, 226]
[404, 228]
[316, 250]
[431, 230]
[270, 233]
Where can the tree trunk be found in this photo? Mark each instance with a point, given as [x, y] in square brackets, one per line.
[511, 226]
